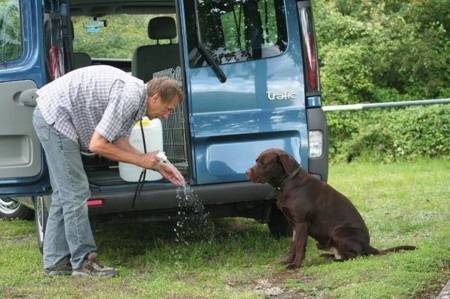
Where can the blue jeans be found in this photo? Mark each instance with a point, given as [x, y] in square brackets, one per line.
[68, 231]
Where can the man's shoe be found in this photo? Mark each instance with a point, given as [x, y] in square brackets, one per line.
[91, 267]
[63, 267]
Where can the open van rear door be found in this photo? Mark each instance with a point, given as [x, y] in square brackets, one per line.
[245, 84]
[22, 70]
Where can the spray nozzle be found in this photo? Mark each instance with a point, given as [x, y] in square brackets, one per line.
[162, 156]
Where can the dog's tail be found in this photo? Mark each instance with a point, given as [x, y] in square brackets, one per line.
[389, 250]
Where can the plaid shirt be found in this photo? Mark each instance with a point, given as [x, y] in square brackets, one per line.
[100, 98]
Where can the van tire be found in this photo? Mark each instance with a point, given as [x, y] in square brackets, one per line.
[40, 216]
[11, 209]
[278, 225]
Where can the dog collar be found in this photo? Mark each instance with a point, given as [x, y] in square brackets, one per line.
[292, 175]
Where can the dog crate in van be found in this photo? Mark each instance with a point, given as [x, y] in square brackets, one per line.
[250, 75]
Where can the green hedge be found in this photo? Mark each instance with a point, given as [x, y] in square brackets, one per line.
[384, 50]
[390, 135]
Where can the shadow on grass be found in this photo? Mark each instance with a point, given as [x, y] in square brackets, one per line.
[135, 244]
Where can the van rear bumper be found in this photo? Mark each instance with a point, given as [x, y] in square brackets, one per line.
[165, 199]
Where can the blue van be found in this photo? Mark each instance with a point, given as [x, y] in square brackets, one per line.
[249, 69]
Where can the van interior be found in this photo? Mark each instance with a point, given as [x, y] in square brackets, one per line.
[139, 37]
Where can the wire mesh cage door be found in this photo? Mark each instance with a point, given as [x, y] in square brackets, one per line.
[173, 136]
[174, 141]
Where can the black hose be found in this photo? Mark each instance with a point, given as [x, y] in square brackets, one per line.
[141, 180]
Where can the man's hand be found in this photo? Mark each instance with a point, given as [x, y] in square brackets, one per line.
[170, 172]
[149, 160]
[166, 169]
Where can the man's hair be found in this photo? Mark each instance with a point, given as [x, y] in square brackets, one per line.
[166, 87]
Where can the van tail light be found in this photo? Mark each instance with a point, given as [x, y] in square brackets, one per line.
[54, 58]
[315, 144]
[309, 46]
[94, 202]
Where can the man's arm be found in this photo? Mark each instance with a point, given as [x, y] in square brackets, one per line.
[124, 143]
[122, 151]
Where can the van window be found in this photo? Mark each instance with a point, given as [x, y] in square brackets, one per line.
[119, 39]
[236, 30]
[10, 30]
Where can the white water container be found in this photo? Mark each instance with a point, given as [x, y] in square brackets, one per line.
[153, 141]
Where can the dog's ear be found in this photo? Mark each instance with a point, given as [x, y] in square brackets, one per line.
[289, 164]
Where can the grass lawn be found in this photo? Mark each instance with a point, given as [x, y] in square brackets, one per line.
[402, 203]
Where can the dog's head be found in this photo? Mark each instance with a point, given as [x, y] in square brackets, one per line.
[272, 166]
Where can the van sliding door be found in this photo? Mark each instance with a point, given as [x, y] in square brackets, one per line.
[22, 70]
[244, 76]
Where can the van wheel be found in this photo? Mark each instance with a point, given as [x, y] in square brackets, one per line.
[11, 209]
[278, 225]
[40, 215]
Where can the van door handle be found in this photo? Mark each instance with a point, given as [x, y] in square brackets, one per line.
[26, 97]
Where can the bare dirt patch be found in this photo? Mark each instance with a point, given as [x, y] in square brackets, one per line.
[273, 288]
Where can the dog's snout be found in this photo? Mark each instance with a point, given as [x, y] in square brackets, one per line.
[248, 173]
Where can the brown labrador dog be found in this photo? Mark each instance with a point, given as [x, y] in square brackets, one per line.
[314, 209]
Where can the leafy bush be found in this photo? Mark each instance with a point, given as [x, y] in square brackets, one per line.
[390, 135]
[378, 51]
